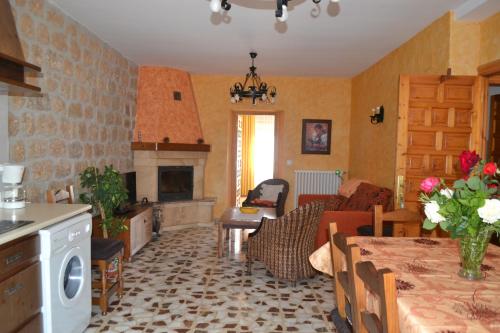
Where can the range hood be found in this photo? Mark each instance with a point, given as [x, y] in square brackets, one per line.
[13, 68]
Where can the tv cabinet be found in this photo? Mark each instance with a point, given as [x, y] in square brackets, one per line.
[139, 222]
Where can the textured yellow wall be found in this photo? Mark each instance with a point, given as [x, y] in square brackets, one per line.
[490, 39]
[464, 47]
[299, 98]
[373, 147]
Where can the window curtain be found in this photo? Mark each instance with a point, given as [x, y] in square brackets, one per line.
[247, 148]
[264, 146]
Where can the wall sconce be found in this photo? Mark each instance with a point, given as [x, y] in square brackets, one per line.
[377, 115]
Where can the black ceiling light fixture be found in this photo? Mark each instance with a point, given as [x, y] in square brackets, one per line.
[281, 12]
[256, 88]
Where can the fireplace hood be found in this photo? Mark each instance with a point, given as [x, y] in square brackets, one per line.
[13, 68]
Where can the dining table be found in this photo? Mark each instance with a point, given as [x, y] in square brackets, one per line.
[431, 296]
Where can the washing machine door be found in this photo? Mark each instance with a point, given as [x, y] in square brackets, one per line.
[72, 277]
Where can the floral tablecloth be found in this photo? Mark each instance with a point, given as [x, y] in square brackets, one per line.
[432, 298]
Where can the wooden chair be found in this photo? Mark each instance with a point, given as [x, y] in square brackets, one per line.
[61, 195]
[102, 253]
[382, 283]
[405, 223]
[345, 281]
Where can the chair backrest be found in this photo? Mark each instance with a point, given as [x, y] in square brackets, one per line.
[301, 224]
[338, 258]
[382, 283]
[407, 222]
[61, 195]
[281, 200]
[345, 255]
[275, 181]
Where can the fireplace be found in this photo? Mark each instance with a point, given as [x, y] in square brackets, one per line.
[175, 183]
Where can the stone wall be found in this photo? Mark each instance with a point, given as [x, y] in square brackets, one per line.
[87, 114]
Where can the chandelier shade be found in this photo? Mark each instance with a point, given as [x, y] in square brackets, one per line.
[253, 87]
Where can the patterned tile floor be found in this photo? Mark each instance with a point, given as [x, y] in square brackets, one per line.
[177, 284]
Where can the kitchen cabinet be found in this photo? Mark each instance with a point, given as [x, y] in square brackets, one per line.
[20, 285]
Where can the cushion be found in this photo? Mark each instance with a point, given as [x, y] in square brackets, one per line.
[350, 186]
[270, 192]
[334, 202]
[104, 249]
[367, 196]
[265, 203]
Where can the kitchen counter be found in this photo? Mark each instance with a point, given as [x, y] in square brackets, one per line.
[43, 215]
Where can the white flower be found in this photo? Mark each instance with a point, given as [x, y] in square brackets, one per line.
[431, 211]
[490, 212]
[446, 192]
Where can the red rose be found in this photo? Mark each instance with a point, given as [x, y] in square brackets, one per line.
[468, 159]
[428, 184]
[492, 185]
[490, 169]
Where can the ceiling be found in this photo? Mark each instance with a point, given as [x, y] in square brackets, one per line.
[317, 40]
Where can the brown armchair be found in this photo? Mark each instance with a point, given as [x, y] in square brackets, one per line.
[253, 196]
[285, 244]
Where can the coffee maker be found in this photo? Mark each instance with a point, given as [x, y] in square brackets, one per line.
[12, 193]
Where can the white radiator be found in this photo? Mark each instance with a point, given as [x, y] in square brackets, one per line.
[316, 182]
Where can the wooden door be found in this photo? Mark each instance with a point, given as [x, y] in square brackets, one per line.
[438, 119]
[495, 129]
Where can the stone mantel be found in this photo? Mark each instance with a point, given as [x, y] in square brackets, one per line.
[161, 146]
[146, 163]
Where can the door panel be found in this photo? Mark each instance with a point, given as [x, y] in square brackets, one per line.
[462, 93]
[423, 92]
[463, 118]
[437, 121]
[416, 116]
[456, 141]
[421, 140]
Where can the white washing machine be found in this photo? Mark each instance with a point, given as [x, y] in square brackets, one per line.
[66, 275]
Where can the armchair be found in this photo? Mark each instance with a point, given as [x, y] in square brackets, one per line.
[285, 244]
[254, 196]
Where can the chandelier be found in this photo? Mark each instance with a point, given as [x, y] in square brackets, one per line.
[281, 7]
[256, 88]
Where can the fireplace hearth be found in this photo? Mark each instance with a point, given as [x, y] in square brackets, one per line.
[175, 183]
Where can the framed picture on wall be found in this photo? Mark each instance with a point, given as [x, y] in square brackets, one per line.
[316, 136]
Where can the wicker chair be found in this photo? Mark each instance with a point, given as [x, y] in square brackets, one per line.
[285, 244]
[280, 203]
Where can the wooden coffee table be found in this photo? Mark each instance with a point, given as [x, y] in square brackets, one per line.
[232, 218]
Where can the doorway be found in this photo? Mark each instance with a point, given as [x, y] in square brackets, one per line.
[254, 153]
[493, 129]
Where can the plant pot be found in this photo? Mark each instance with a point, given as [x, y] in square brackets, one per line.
[472, 251]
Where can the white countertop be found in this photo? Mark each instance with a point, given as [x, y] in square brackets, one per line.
[44, 215]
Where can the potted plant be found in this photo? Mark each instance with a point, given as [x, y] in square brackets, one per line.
[469, 211]
[106, 193]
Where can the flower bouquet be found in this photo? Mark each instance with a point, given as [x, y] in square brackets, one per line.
[469, 211]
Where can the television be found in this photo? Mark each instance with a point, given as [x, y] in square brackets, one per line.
[130, 185]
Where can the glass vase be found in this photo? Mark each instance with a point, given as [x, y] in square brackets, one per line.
[472, 251]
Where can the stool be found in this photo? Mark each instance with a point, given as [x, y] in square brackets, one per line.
[103, 252]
